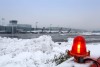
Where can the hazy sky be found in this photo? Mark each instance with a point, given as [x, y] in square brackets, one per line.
[82, 14]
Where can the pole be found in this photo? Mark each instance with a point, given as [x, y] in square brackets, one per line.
[2, 21]
[36, 25]
[50, 27]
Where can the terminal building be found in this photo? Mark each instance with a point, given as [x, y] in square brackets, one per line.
[14, 27]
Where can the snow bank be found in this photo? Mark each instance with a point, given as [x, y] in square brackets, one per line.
[38, 52]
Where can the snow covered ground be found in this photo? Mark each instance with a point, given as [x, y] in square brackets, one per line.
[38, 52]
[90, 33]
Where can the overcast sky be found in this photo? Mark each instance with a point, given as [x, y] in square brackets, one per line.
[81, 14]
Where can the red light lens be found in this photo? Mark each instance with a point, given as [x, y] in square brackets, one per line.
[79, 46]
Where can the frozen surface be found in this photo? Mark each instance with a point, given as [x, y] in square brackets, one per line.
[38, 52]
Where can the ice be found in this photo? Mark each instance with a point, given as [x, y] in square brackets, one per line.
[38, 52]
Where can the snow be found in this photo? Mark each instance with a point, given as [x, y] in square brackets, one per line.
[38, 52]
[70, 40]
[90, 33]
[70, 63]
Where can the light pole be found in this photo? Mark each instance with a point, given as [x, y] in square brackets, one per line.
[36, 25]
[3, 19]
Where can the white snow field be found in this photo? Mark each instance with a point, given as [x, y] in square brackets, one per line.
[38, 52]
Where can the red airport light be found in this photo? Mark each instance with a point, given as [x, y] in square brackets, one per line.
[79, 50]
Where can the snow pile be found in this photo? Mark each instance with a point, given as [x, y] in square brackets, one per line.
[38, 52]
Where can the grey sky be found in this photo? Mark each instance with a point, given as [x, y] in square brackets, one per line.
[82, 14]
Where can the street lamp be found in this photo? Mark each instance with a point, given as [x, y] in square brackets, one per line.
[36, 25]
[50, 27]
[3, 19]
